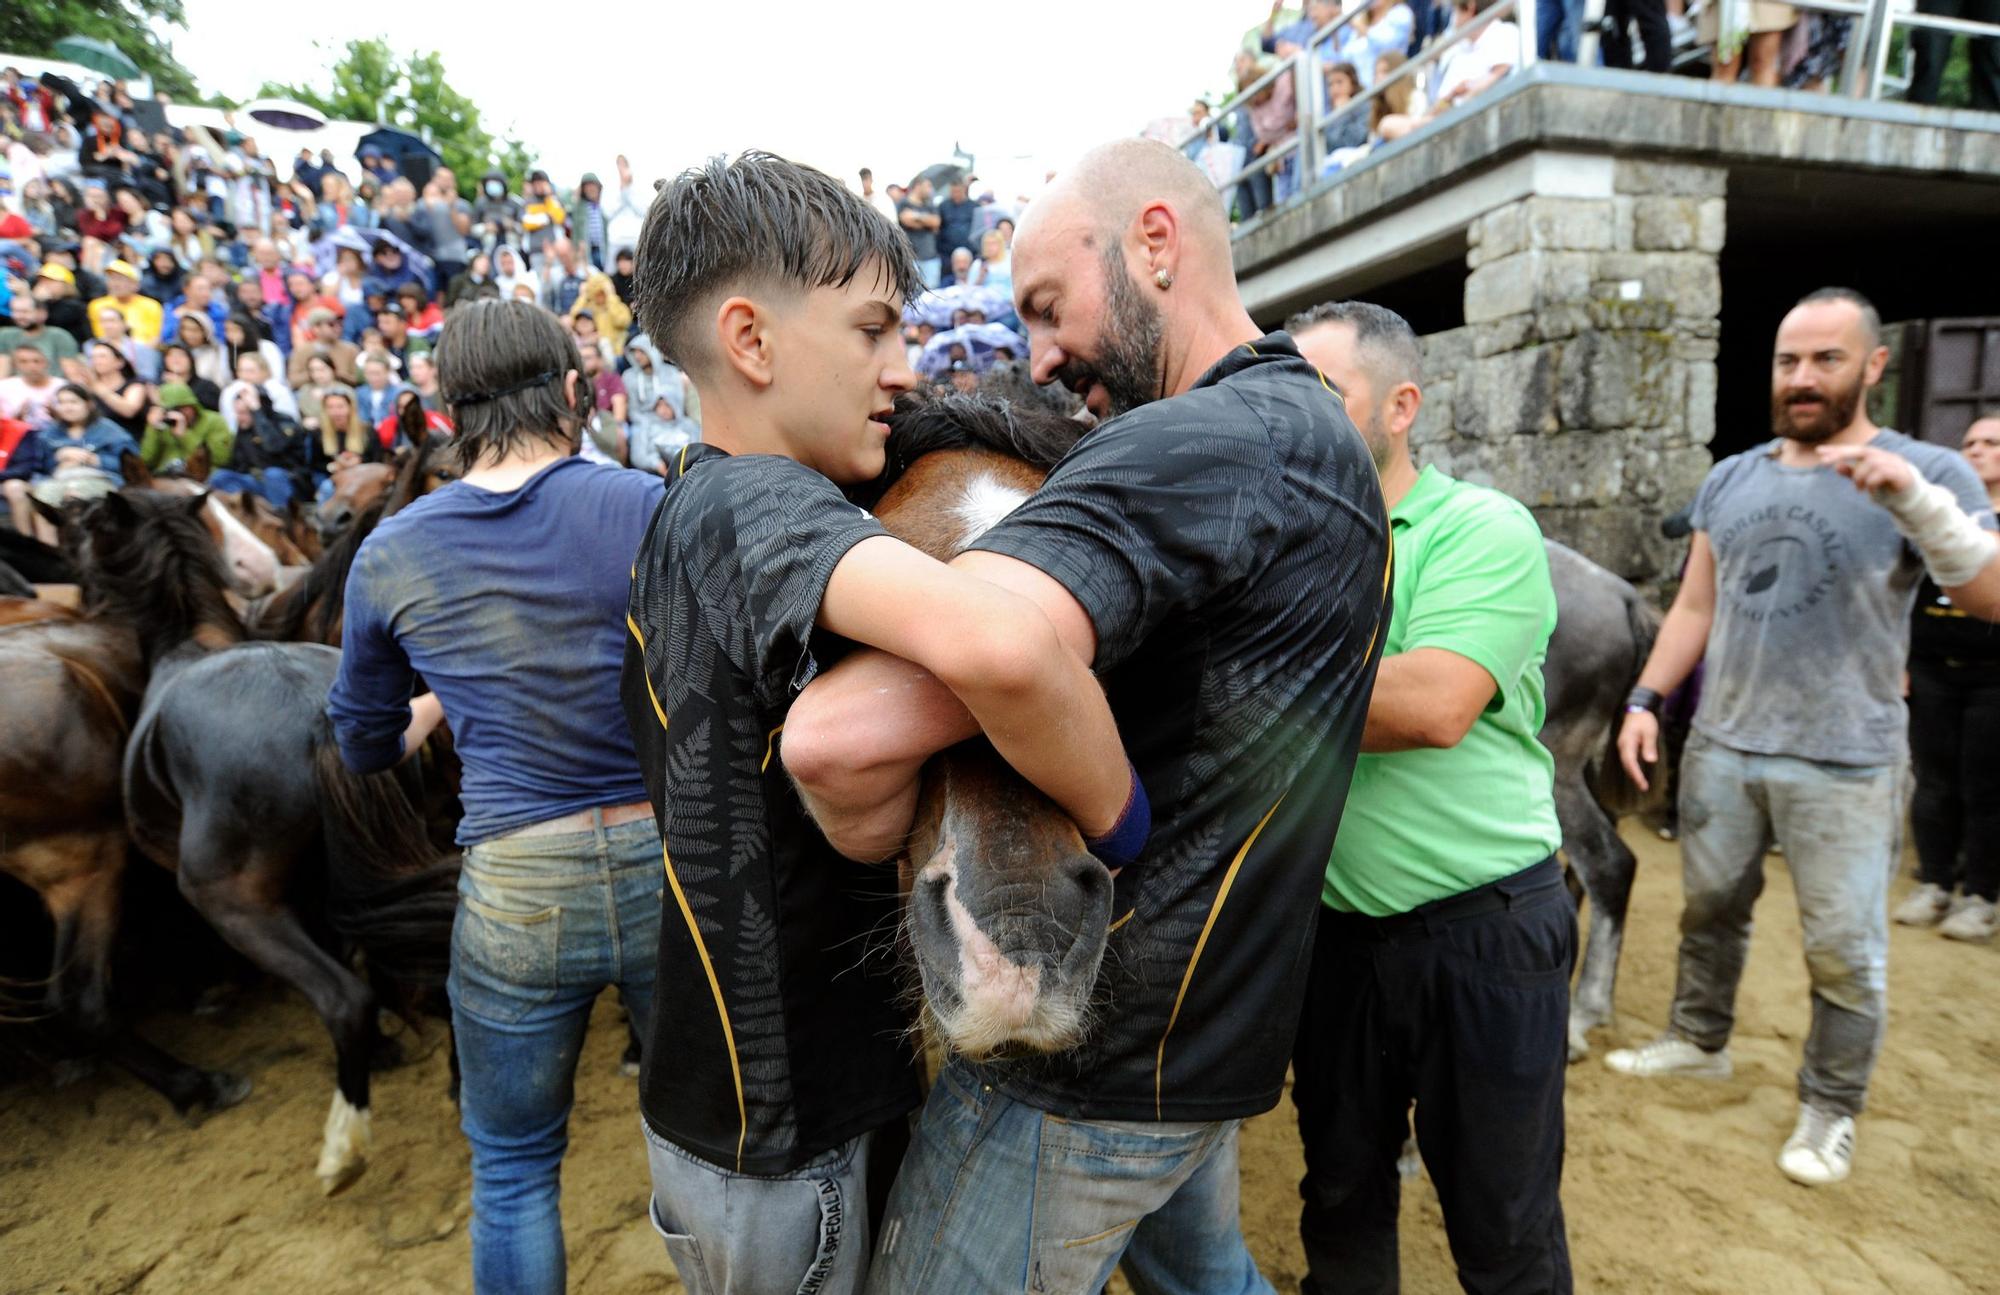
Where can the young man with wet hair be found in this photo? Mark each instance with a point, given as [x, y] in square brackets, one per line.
[782, 1053]
[505, 590]
[1217, 547]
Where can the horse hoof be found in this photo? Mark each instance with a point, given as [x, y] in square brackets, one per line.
[333, 1183]
[629, 1069]
[344, 1148]
[219, 1091]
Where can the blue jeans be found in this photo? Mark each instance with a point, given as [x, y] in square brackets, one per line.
[1839, 825]
[274, 484]
[997, 1196]
[544, 924]
[1558, 28]
[748, 1234]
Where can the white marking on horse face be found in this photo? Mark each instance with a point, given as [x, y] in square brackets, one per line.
[343, 1151]
[250, 562]
[986, 500]
[999, 994]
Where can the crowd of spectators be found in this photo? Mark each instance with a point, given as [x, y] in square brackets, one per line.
[1760, 42]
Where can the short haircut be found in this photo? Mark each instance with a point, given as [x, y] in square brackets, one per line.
[759, 221]
[1871, 319]
[1387, 345]
[500, 371]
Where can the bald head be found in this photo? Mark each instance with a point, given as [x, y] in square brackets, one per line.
[1113, 183]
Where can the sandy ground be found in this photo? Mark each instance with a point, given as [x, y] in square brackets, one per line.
[1670, 1185]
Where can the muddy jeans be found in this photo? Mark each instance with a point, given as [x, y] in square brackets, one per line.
[1838, 825]
[544, 924]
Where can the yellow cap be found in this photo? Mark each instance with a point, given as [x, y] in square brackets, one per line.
[59, 273]
[124, 268]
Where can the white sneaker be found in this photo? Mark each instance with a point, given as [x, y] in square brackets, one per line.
[1972, 918]
[1667, 1055]
[1924, 906]
[1821, 1148]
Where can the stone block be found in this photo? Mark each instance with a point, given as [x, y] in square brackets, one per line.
[1509, 334]
[1692, 281]
[1515, 393]
[1666, 224]
[1621, 222]
[1712, 225]
[1500, 232]
[1611, 380]
[1675, 179]
[1433, 429]
[1701, 398]
[1523, 282]
[1446, 353]
[1610, 311]
[1567, 470]
[1569, 224]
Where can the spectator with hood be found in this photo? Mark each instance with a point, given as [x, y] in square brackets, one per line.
[497, 209]
[270, 454]
[388, 270]
[164, 278]
[474, 283]
[178, 426]
[510, 270]
[542, 216]
[656, 409]
[600, 297]
[590, 226]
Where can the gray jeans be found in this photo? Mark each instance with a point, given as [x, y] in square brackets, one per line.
[1839, 826]
[755, 1234]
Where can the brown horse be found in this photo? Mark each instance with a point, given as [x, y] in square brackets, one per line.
[233, 782]
[355, 489]
[1007, 912]
[69, 690]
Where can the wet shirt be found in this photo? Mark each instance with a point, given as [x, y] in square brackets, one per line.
[1472, 578]
[780, 1038]
[1813, 591]
[511, 606]
[1231, 549]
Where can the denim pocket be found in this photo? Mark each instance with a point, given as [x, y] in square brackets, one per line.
[685, 1252]
[505, 956]
[1094, 1181]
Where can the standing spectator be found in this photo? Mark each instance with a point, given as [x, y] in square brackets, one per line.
[588, 220]
[1387, 27]
[881, 202]
[1954, 734]
[563, 274]
[957, 215]
[1740, 30]
[1289, 38]
[1934, 51]
[1274, 120]
[1446, 937]
[143, 316]
[498, 210]
[542, 216]
[1654, 33]
[557, 828]
[920, 227]
[627, 217]
[1796, 596]
[442, 211]
[995, 268]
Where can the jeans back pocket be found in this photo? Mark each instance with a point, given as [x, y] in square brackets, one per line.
[505, 961]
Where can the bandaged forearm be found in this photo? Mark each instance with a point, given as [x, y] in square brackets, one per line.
[1953, 546]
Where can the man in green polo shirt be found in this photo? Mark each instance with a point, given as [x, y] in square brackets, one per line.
[1440, 970]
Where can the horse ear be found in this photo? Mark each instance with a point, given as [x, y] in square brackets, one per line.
[419, 432]
[114, 508]
[134, 470]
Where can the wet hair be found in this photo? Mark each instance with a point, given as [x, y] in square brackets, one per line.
[945, 419]
[500, 370]
[1871, 319]
[757, 222]
[1385, 340]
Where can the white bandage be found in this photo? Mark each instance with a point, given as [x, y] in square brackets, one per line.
[1953, 546]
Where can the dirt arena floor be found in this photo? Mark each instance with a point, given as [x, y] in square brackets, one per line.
[1670, 1185]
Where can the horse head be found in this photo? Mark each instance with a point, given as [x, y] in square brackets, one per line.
[1008, 912]
[354, 489]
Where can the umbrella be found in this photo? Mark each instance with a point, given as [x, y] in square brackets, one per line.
[981, 342]
[937, 307]
[285, 114]
[98, 56]
[415, 158]
[942, 175]
[327, 251]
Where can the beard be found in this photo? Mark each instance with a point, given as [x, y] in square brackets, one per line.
[1375, 435]
[1128, 348]
[1812, 418]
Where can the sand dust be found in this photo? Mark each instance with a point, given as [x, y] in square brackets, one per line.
[1670, 1185]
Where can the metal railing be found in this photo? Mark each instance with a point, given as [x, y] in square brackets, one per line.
[1863, 74]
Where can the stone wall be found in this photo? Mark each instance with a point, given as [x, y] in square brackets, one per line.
[1583, 382]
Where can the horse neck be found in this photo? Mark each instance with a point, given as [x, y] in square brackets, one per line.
[948, 498]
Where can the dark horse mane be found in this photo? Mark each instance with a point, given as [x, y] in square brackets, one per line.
[927, 422]
[146, 558]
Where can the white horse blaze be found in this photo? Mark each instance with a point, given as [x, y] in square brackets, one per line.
[343, 1151]
[251, 562]
[986, 500]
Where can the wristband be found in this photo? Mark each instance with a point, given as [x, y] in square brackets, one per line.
[1954, 548]
[1127, 837]
[1643, 698]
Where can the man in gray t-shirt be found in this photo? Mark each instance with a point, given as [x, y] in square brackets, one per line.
[1797, 595]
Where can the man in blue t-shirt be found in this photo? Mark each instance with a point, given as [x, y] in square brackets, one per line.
[505, 591]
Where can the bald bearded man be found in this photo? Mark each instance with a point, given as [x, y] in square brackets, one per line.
[1217, 549]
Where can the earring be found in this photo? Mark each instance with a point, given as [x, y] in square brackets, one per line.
[1164, 279]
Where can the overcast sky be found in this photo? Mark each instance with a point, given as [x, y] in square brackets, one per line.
[1023, 85]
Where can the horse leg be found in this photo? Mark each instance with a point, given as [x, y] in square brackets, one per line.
[1606, 867]
[85, 910]
[245, 906]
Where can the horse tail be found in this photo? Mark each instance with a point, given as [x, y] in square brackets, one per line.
[1608, 782]
[388, 889]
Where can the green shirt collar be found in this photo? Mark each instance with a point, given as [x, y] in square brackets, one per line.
[1424, 496]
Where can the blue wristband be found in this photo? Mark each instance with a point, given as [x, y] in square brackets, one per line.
[1127, 837]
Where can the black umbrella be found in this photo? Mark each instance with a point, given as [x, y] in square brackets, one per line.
[415, 158]
[942, 175]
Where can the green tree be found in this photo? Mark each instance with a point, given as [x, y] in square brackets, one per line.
[515, 161]
[371, 82]
[134, 26]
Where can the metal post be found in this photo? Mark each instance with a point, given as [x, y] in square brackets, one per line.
[1312, 145]
[1857, 69]
[1885, 28]
[1526, 20]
